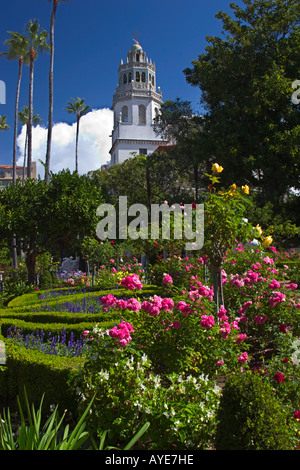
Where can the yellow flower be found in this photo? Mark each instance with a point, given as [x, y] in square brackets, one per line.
[245, 189]
[267, 241]
[259, 229]
[217, 168]
[233, 186]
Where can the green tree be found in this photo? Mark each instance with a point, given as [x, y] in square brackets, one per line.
[145, 180]
[49, 216]
[17, 50]
[3, 125]
[245, 78]
[177, 123]
[37, 42]
[173, 120]
[50, 115]
[79, 109]
[23, 118]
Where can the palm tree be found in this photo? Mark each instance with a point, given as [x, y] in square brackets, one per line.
[3, 125]
[37, 42]
[79, 108]
[17, 49]
[50, 116]
[23, 118]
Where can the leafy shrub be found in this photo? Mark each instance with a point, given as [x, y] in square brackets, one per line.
[181, 408]
[250, 417]
[39, 373]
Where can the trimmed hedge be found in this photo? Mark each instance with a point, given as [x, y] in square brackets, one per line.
[39, 373]
[55, 328]
[250, 417]
[43, 373]
[33, 298]
[55, 317]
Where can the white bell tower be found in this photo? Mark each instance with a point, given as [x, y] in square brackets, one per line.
[136, 103]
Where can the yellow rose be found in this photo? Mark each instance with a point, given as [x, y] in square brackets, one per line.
[245, 189]
[217, 168]
[259, 229]
[267, 241]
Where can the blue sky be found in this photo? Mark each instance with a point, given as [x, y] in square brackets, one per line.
[91, 37]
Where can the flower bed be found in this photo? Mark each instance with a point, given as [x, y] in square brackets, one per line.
[171, 347]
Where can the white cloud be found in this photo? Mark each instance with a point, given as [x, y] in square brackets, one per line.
[93, 149]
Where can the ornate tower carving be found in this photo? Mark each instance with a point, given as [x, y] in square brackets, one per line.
[136, 102]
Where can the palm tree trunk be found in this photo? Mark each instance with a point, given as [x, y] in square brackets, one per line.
[25, 155]
[16, 121]
[30, 112]
[50, 117]
[76, 153]
[14, 241]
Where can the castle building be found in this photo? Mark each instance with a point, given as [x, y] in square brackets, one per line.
[6, 173]
[136, 102]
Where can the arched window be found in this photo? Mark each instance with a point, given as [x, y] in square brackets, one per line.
[142, 114]
[153, 80]
[124, 114]
[137, 76]
[138, 57]
[129, 77]
[143, 77]
[124, 78]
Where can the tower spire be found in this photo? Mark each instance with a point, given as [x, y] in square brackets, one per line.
[136, 104]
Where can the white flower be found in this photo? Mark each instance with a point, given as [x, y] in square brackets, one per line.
[103, 374]
[156, 382]
[144, 358]
[139, 406]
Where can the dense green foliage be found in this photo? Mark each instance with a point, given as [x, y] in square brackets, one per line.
[250, 417]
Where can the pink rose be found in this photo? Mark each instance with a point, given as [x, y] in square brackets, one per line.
[279, 377]
[167, 279]
[207, 321]
[243, 358]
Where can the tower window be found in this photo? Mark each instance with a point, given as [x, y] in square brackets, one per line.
[124, 78]
[124, 114]
[138, 57]
[142, 114]
[129, 77]
[137, 76]
[143, 77]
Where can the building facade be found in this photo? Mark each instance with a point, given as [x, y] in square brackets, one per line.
[6, 173]
[136, 103]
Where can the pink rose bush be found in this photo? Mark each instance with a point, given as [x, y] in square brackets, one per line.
[167, 279]
[181, 331]
[122, 333]
[132, 282]
[260, 295]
